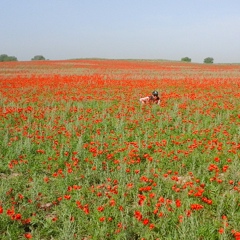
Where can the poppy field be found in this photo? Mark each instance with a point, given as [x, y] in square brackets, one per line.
[81, 158]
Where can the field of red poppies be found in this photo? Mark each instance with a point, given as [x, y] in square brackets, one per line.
[80, 158]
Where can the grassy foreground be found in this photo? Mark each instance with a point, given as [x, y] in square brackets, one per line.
[81, 159]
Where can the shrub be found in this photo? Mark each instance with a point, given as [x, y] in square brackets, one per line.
[38, 57]
[186, 59]
[6, 58]
[208, 60]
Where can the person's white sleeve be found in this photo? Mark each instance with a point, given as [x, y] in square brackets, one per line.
[144, 99]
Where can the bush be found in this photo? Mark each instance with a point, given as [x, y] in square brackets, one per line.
[6, 58]
[208, 60]
[186, 59]
[38, 57]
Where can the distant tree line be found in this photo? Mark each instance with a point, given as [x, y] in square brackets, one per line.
[206, 60]
[6, 58]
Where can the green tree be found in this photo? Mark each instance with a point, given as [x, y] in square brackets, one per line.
[186, 59]
[208, 60]
[38, 57]
[6, 58]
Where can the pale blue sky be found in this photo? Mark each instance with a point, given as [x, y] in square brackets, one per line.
[145, 29]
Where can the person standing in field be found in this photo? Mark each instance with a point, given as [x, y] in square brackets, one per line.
[153, 99]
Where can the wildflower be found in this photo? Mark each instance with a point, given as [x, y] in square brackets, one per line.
[26, 221]
[120, 225]
[188, 213]
[145, 221]
[196, 206]
[100, 208]
[112, 202]
[141, 199]
[161, 214]
[20, 196]
[28, 235]
[130, 185]
[225, 168]
[151, 226]
[152, 195]
[180, 218]
[99, 194]
[178, 203]
[236, 234]
[231, 182]
[206, 200]
[17, 216]
[86, 209]
[155, 211]
[67, 197]
[11, 211]
[138, 215]
[221, 230]
[121, 208]
[46, 179]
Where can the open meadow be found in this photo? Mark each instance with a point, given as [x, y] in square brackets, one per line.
[80, 158]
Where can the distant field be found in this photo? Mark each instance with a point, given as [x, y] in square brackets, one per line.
[80, 158]
[122, 69]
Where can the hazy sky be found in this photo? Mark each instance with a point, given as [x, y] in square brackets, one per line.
[147, 29]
